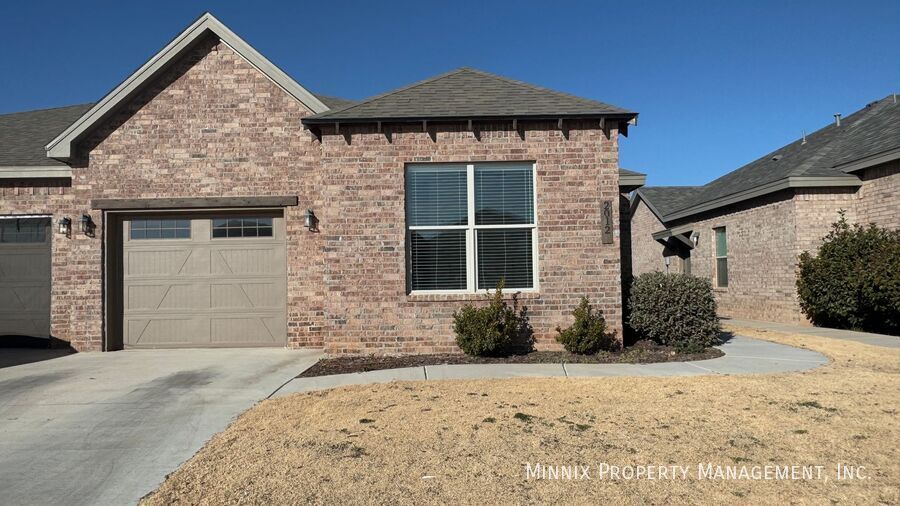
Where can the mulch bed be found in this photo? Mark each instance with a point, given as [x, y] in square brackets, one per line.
[642, 352]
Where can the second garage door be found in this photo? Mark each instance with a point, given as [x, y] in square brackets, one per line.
[204, 280]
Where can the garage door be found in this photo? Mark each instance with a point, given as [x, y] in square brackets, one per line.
[25, 276]
[204, 281]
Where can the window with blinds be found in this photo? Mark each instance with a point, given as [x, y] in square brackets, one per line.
[469, 226]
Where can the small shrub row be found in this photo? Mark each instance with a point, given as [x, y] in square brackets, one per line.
[500, 328]
[676, 310]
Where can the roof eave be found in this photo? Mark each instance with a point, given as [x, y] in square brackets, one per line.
[312, 120]
[848, 180]
[60, 147]
[36, 172]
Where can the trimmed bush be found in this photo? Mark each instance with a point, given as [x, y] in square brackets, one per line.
[495, 329]
[854, 280]
[588, 334]
[677, 310]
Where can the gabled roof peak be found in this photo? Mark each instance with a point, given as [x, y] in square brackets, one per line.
[61, 146]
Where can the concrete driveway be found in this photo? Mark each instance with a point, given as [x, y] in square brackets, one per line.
[106, 428]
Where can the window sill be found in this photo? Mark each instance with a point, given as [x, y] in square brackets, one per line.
[469, 297]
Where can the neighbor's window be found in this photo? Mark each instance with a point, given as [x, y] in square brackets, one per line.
[721, 258]
[241, 227]
[23, 230]
[471, 225]
[160, 229]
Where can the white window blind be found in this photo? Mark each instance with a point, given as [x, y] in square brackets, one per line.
[470, 226]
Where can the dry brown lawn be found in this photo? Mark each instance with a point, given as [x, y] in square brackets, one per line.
[468, 441]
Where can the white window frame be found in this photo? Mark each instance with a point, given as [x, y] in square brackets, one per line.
[716, 257]
[471, 227]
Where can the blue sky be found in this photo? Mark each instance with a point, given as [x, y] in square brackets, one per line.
[717, 84]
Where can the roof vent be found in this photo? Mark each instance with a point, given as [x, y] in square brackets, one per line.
[776, 158]
[837, 119]
[804, 137]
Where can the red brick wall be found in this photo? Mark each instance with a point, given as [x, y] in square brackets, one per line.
[214, 126]
[367, 307]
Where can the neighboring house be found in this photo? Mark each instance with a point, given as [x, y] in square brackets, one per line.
[745, 230]
[210, 200]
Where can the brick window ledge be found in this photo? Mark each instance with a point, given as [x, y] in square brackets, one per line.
[466, 297]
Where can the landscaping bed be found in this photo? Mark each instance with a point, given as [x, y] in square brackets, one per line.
[642, 352]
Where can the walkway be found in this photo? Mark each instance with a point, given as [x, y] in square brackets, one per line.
[743, 355]
[850, 335]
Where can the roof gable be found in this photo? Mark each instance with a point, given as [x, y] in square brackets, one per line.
[469, 93]
[61, 146]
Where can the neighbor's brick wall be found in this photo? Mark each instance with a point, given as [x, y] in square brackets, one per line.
[367, 306]
[879, 197]
[646, 253]
[74, 303]
[214, 126]
[762, 259]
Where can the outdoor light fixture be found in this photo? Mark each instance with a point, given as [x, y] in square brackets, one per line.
[695, 238]
[65, 226]
[87, 225]
[309, 220]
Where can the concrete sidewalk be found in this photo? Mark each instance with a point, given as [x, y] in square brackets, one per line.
[743, 355]
[849, 335]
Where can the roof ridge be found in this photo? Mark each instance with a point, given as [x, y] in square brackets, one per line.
[395, 91]
[47, 109]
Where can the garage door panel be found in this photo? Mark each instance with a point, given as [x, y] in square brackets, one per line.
[205, 291]
[235, 329]
[25, 276]
[167, 331]
[166, 297]
[248, 295]
[24, 264]
[244, 260]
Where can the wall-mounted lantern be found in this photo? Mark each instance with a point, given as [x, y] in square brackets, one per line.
[87, 225]
[310, 221]
[65, 226]
[695, 238]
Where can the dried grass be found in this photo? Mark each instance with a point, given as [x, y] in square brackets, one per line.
[467, 441]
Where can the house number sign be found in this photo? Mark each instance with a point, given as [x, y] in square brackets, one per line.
[607, 222]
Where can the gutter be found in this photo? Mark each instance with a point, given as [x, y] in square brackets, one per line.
[848, 180]
[35, 172]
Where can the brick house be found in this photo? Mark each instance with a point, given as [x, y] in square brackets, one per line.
[211, 200]
[746, 230]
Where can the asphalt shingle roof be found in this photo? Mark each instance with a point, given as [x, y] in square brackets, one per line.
[333, 102]
[23, 135]
[469, 93]
[667, 199]
[871, 130]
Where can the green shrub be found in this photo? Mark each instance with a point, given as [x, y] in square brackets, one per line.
[854, 280]
[495, 329]
[588, 334]
[674, 309]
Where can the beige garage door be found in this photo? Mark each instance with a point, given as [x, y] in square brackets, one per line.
[204, 281]
[25, 276]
